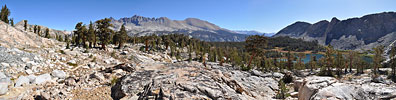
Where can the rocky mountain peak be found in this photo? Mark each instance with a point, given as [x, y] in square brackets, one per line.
[334, 19]
[201, 24]
[197, 28]
[357, 33]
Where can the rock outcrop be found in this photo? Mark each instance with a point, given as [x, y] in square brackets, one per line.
[319, 88]
[183, 81]
[16, 38]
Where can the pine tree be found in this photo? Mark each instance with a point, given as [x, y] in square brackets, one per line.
[84, 33]
[393, 63]
[203, 58]
[339, 63]
[81, 34]
[35, 29]
[38, 30]
[235, 58]
[360, 65]
[300, 62]
[123, 36]
[377, 59]
[67, 42]
[178, 56]
[12, 21]
[25, 24]
[351, 56]
[221, 56]
[47, 35]
[254, 45]
[146, 43]
[289, 60]
[329, 59]
[312, 62]
[167, 42]
[104, 32]
[91, 35]
[5, 12]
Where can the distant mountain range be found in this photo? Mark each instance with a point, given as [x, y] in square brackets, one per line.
[254, 33]
[140, 26]
[352, 34]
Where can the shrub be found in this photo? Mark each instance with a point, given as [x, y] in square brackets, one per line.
[114, 81]
[245, 68]
[282, 93]
[288, 78]
[72, 64]
[94, 59]
[86, 51]
[62, 52]
[113, 54]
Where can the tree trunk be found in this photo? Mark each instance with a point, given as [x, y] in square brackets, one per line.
[94, 43]
[146, 43]
[90, 44]
[103, 46]
[350, 66]
[119, 45]
[251, 58]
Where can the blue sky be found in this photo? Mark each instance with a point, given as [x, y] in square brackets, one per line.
[260, 15]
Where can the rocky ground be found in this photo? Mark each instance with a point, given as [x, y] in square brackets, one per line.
[59, 73]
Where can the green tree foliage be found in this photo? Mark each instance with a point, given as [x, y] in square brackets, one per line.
[290, 58]
[35, 29]
[361, 64]
[25, 24]
[38, 30]
[67, 42]
[255, 45]
[80, 34]
[4, 13]
[329, 59]
[47, 34]
[146, 43]
[339, 63]
[12, 21]
[104, 32]
[122, 37]
[378, 58]
[91, 35]
[393, 63]
[300, 62]
[351, 60]
[312, 62]
[282, 93]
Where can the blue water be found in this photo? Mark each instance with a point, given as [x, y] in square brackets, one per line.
[318, 56]
[308, 57]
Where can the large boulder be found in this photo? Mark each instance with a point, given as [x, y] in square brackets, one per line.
[4, 82]
[59, 74]
[341, 91]
[328, 88]
[2, 75]
[42, 79]
[22, 80]
[312, 84]
[186, 82]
